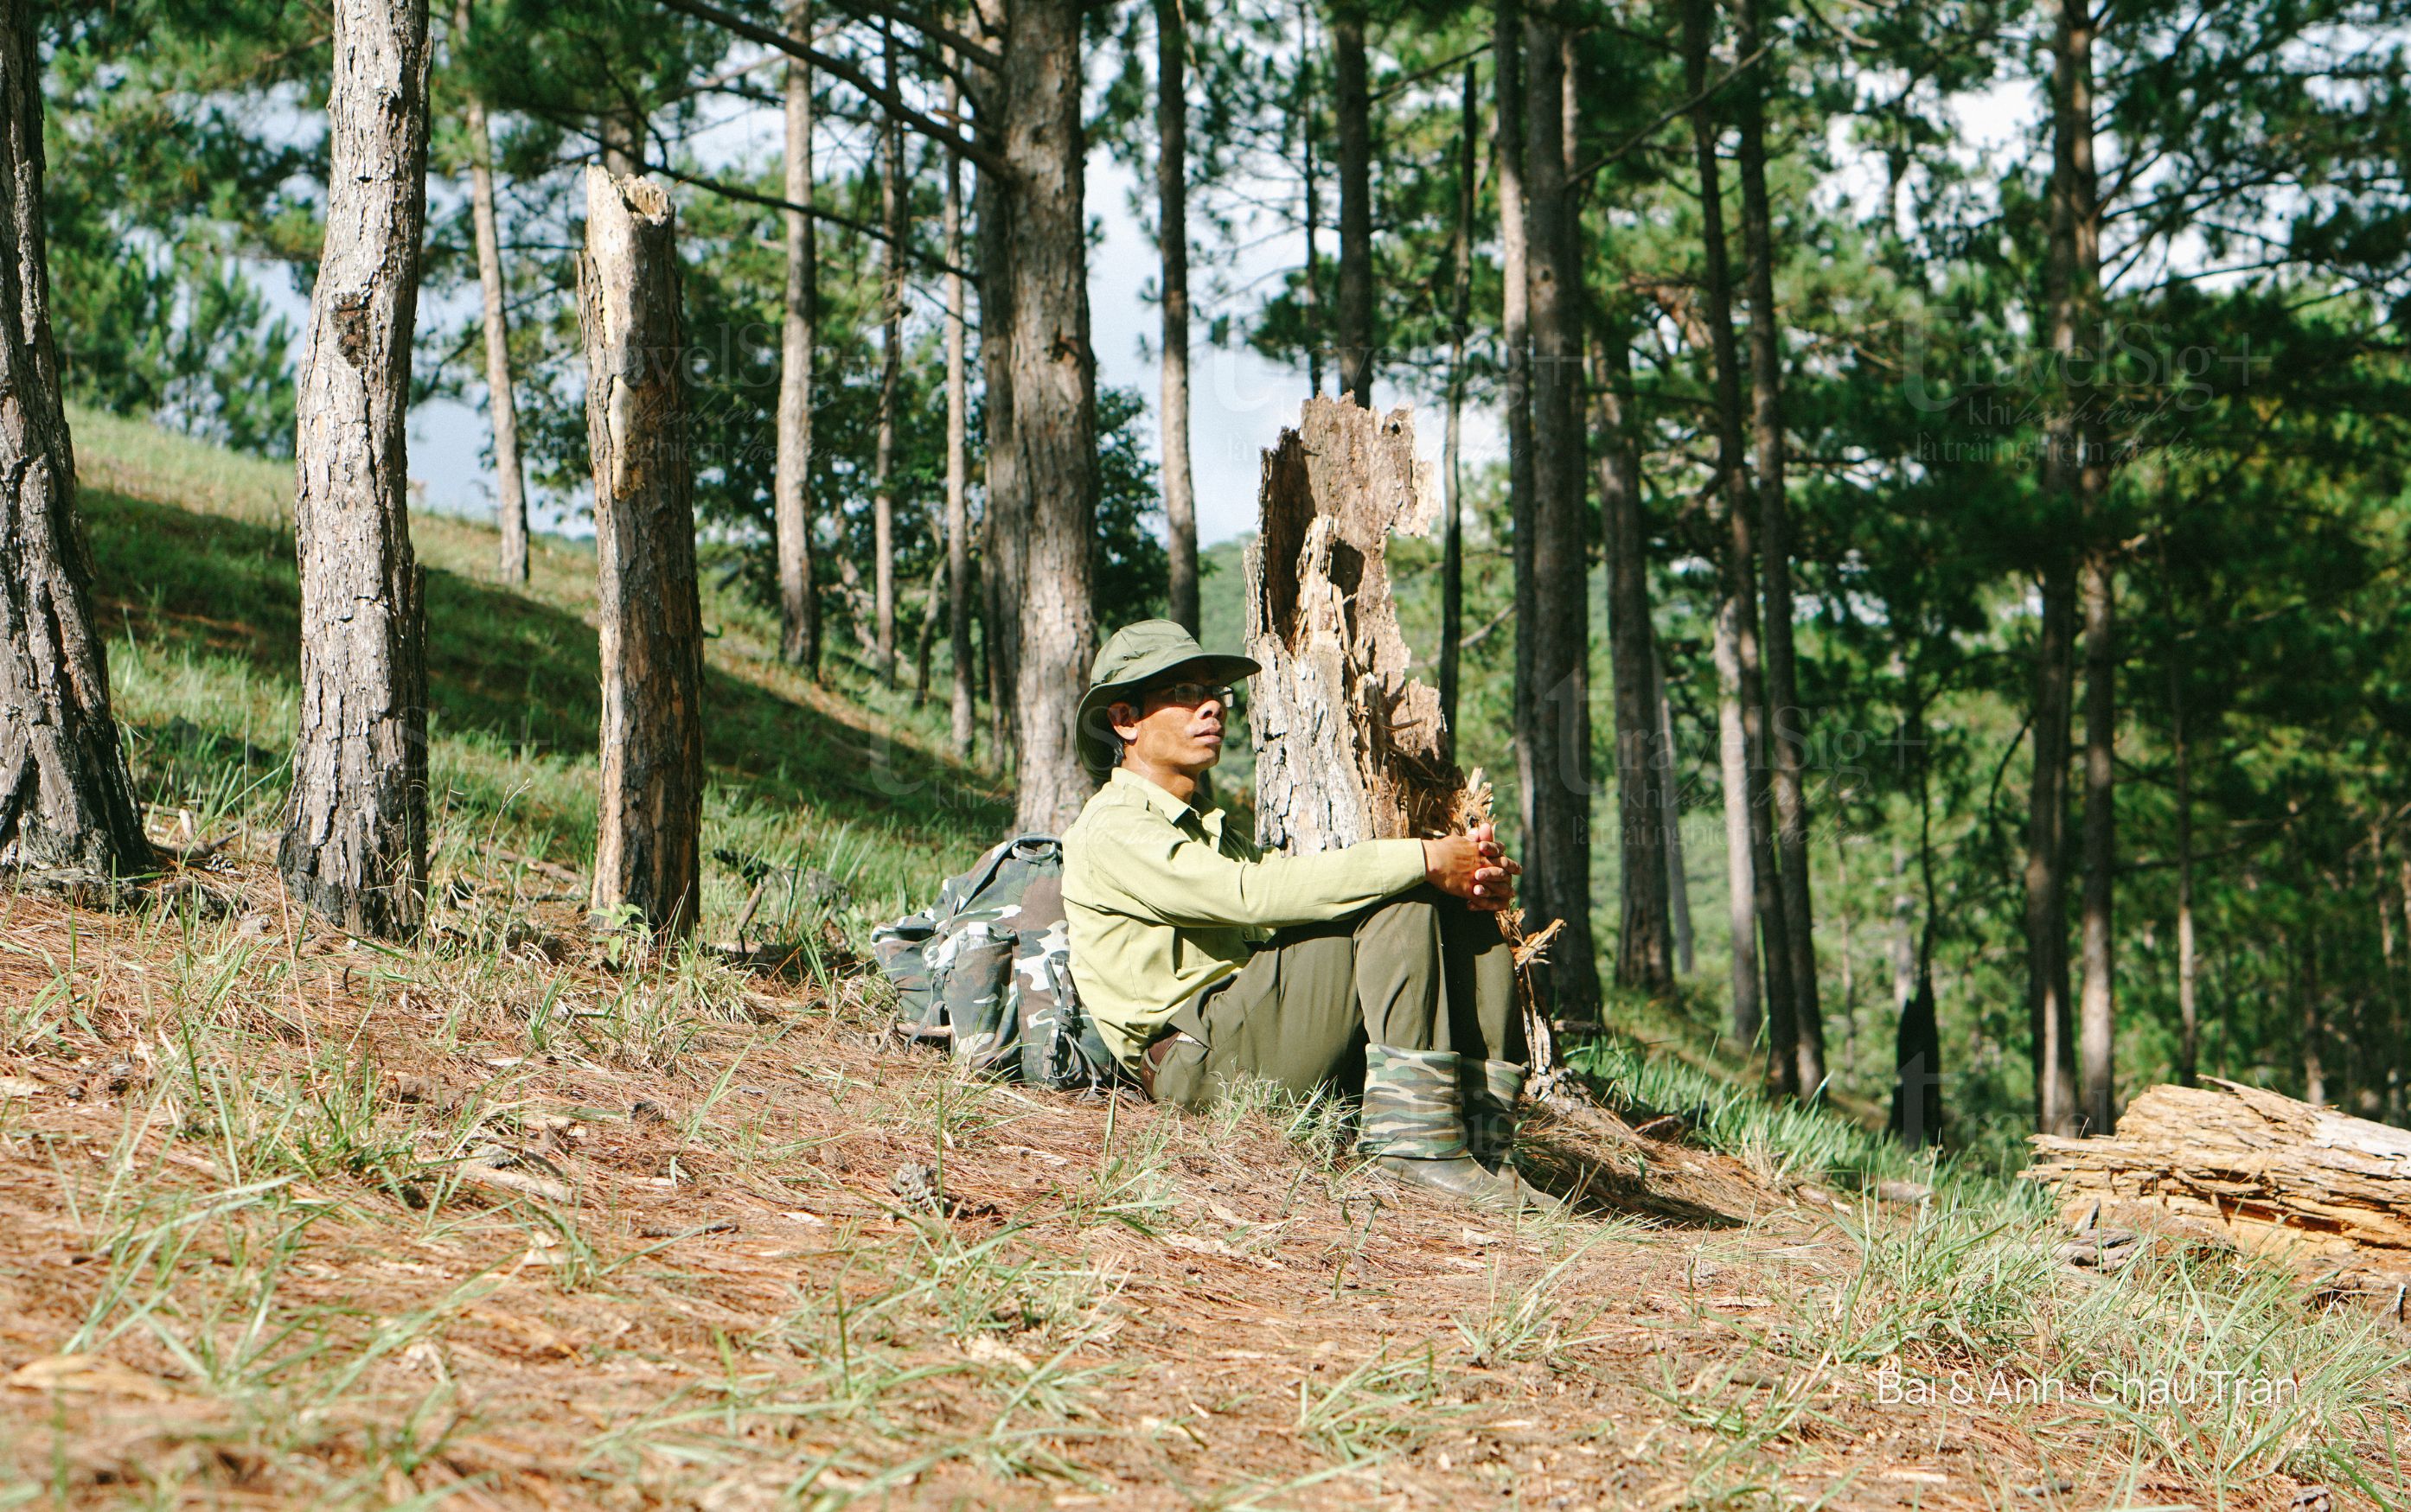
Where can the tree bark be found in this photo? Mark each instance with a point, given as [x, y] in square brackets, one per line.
[1002, 562]
[1042, 407]
[799, 614]
[933, 604]
[66, 800]
[1349, 747]
[959, 535]
[1515, 399]
[2244, 1166]
[1172, 235]
[1741, 561]
[2069, 475]
[2311, 1007]
[510, 480]
[1452, 554]
[2046, 869]
[1786, 720]
[1558, 847]
[2189, 1008]
[891, 356]
[1311, 183]
[619, 135]
[1353, 112]
[1917, 1110]
[1668, 761]
[649, 834]
[1645, 950]
[2095, 1022]
[355, 840]
[1741, 883]
[2395, 1091]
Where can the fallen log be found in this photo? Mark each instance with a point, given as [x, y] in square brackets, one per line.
[2325, 1193]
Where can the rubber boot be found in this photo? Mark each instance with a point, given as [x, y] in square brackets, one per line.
[1491, 1089]
[1414, 1126]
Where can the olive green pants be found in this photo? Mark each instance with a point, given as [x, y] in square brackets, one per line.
[1421, 971]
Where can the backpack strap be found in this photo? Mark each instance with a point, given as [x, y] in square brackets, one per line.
[1005, 853]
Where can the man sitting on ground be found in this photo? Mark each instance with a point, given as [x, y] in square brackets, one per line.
[1204, 961]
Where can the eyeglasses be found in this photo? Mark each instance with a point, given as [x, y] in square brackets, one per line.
[1194, 693]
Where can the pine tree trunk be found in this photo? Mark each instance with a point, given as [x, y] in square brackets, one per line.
[1353, 112]
[1172, 234]
[1668, 755]
[2096, 590]
[800, 615]
[1002, 562]
[66, 801]
[1558, 848]
[2096, 1026]
[2395, 1077]
[2071, 278]
[510, 481]
[1452, 552]
[1515, 399]
[355, 841]
[1043, 416]
[1644, 770]
[1740, 560]
[2050, 1021]
[1311, 181]
[649, 834]
[2181, 758]
[620, 133]
[958, 534]
[1786, 720]
[933, 603]
[1916, 1109]
[1847, 962]
[2311, 1007]
[891, 356]
[1741, 887]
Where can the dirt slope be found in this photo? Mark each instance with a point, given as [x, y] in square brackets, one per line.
[287, 1219]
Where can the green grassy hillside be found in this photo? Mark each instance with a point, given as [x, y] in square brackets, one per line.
[196, 577]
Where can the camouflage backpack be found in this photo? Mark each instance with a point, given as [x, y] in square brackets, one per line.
[987, 971]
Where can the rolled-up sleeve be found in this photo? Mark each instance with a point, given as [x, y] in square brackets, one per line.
[1162, 874]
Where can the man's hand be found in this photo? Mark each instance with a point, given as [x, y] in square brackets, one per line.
[1474, 867]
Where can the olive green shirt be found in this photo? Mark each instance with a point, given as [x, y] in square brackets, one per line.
[1162, 900]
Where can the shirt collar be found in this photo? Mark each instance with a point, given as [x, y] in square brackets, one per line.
[1169, 806]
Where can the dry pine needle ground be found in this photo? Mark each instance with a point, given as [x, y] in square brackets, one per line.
[288, 1219]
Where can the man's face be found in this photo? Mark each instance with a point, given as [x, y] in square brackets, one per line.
[1178, 725]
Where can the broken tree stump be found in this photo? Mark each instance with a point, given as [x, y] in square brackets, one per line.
[2325, 1193]
[647, 847]
[1349, 745]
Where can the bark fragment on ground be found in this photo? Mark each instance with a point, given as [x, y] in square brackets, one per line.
[2327, 1193]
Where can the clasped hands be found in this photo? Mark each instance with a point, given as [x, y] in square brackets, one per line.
[1472, 866]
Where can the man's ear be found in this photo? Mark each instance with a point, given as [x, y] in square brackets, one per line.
[1123, 719]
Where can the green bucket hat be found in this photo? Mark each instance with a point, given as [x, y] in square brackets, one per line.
[1138, 655]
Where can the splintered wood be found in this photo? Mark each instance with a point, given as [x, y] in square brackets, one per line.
[2244, 1166]
[1348, 745]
